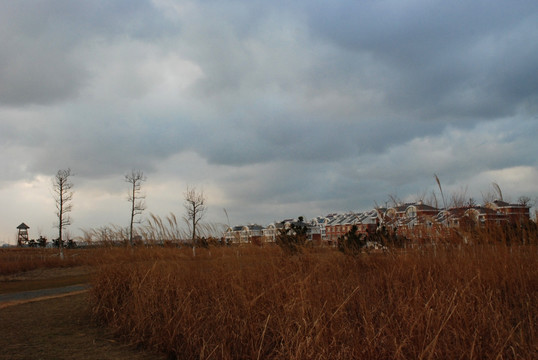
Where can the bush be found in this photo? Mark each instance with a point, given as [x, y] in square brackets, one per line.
[292, 239]
[353, 242]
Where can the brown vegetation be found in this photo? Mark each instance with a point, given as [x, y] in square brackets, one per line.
[257, 303]
[472, 296]
[16, 260]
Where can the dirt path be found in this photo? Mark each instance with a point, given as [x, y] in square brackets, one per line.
[23, 297]
[59, 328]
[44, 279]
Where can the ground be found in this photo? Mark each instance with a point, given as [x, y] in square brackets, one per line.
[57, 328]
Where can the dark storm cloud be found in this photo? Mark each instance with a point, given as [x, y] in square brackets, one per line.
[447, 59]
[425, 64]
[308, 82]
[279, 106]
[100, 148]
[320, 138]
[38, 40]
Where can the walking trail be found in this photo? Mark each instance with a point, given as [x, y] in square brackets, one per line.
[23, 297]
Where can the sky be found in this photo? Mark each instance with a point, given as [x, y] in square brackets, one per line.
[274, 109]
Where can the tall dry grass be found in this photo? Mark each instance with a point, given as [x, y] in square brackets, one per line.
[473, 302]
[154, 231]
[15, 260]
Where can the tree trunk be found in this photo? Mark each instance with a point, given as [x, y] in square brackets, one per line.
[60, 244]
[194, 236]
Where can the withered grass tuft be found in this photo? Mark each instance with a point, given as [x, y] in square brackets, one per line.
[441, 302]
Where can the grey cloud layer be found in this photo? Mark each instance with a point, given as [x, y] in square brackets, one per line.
[308, 100]
[38, 38]
[449, 60]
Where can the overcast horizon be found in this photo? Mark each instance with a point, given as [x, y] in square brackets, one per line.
[274, 109]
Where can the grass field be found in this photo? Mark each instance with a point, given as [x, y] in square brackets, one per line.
[473, 302]
[20, 260]
[45, 278]
[430, 302]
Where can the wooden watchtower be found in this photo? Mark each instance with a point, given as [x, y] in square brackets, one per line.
[22, 237]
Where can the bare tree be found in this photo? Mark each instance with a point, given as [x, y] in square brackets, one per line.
[63, 195]
[524, 200]
[395, 200]
[459, 199]
[431, 200]
[421, 196]
[195, 205]
[135, 178]
[487, 197]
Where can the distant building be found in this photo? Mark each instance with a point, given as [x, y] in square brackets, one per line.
[414, 220]
[514, 213]
[244, 234]
[22, 236]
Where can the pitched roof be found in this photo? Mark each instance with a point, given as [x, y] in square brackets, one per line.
[425, 207]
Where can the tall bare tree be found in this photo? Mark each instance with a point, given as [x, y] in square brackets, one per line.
[459, 199]
[135, 178]
[195, 206]
[524, 200]
[63, 196]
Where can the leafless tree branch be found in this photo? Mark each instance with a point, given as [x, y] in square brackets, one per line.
[135, 178]
[63, 195]
[195, 206]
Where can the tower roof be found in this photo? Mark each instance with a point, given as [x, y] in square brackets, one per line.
[23, 226]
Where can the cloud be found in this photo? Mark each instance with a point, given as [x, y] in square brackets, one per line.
[274, 107]
[39, 40]
[445, 60]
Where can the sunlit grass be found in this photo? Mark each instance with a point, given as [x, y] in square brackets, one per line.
[250, 303]
[472, 295]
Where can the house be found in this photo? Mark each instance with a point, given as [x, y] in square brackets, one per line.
[481, 215]
[244, 234]
[514, 213]
[233, 234]
[270, 233]
[340, 224]
[414, 220]
[318, 229]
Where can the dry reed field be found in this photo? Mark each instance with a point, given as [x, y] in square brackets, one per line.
[450, 302]
[16, 260]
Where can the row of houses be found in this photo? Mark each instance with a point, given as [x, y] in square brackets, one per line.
[411, 220]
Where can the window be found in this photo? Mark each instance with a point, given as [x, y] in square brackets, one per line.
[411, 212]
